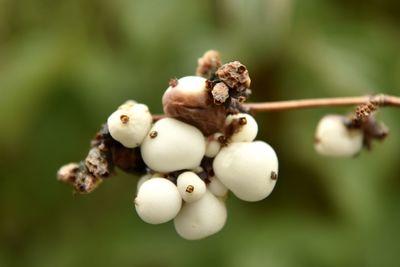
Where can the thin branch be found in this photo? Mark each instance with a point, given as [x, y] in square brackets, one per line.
[380, 100]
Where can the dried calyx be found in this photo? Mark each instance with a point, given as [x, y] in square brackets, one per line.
[104, 155]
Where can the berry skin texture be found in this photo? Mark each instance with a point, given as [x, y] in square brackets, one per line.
[190, 186]
[200, 219]
[173, 145]
[249, 170]
[130, 123]
[158, 201]
[333, 138]
[248, 129]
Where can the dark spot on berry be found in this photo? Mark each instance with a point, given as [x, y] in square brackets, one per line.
[317, 140]
[189, 189]
[274, 176]
[173, 82]
[124, 119]
[153, 134]
[242, 121]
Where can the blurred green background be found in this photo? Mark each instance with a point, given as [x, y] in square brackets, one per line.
[66, 65]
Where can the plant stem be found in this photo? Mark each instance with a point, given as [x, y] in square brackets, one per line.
[380, 100]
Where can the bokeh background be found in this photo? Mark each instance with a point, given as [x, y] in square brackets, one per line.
[66, 65]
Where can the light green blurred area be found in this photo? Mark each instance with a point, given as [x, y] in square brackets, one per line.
[66, 65]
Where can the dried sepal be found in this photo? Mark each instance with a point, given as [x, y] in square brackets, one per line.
[220, 93]
[208, 64]
[373, 130]
[235, 75]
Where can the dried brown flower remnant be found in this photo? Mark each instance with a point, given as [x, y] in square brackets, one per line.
[208, 64]
[363, 111]
[78, 177]
[85, 182]
[67, 173]
[373, 130]
[173, 82]
[105, 154]
[235, 75]
[220, 93]
[97, 163]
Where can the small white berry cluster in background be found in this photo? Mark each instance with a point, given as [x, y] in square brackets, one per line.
[178, 185]
[334, 138]
[341, 136]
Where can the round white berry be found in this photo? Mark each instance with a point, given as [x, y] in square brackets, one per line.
[216, 187]
[247, 127]
[130, 123]
[172, 145]
[190, 186]
[158, 201]
[189, 85]
[213, 145]
[334, 138]
[249, 170]
[143, 179]
[202, 218]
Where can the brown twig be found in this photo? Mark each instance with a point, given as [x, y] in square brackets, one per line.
[379, 100]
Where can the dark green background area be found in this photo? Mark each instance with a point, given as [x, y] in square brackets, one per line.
[66, 65]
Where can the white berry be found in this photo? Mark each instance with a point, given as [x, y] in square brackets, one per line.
[216, 187]
[143, 179]
[158, 201]
[247, 130]
[249, 170]
[202, 218]
[130, 123]
[173, 145]
[334, 138]
[189, 85]
[190, 186]
[213, 145]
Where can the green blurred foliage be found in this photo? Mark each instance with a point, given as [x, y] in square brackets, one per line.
[66, 65]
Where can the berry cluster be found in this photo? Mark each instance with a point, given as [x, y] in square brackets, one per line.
[190, 157]
[203, 146]
[189, 174]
